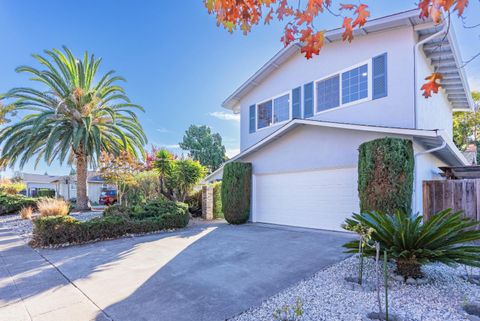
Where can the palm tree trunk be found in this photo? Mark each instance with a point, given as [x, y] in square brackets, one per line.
[82, 199]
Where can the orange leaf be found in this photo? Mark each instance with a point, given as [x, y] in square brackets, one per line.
[347, 6]
[269, 17]
[348, 32]
[461, 5]
[288, 36]
[424, 6]
[362, 15]
[312, 42]
[432, 84]
[303, 17]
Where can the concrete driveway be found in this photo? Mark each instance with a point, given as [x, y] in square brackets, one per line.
[206, 272]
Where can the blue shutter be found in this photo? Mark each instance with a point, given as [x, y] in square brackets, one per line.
[297, 102]
[308, 100]
[380, 86]
[253, 119]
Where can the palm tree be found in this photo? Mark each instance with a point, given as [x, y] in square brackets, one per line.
[76, 117]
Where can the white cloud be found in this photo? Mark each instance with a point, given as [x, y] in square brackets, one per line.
[232, 152]
[225, 116]
[171, 146]
[163, 130]
[474, 83]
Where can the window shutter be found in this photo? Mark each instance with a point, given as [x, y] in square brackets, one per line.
[297, 103]
[380, 87]
[308, 100]
[252, 118]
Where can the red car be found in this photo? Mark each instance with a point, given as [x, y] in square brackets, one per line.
[108, 197]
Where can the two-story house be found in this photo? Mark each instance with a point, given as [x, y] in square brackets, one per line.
[302, 121]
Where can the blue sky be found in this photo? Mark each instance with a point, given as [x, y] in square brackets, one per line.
[179, 65]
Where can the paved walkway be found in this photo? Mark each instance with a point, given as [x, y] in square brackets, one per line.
[33, 289]
[206, 272]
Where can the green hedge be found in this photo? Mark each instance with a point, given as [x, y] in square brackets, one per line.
[13, 203]
[217, 200]
[385, 175]
[56, 230]
[236, 190]
[117, 220]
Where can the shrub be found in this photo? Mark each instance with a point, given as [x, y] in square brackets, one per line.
[14, 203]
[117, 210]
[56, 230]
[53, 207]
[236, 186]
[45, 192]
[411, 243]
[10, 187]
[217, 200]
[194, 201]
[26, 213]
[160, 207]
[385, 175]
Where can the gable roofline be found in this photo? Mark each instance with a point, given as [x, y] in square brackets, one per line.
[429, 138]
[406, 18]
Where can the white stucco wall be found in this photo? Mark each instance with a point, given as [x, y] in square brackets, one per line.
[394, 110]
[426, 168]
[312, 147]
[436, 111]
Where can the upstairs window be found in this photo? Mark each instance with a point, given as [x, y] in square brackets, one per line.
[328, 93]
[346, 87]
[273, 111]
[355, 84]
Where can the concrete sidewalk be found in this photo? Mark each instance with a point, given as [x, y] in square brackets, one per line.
[33, 289]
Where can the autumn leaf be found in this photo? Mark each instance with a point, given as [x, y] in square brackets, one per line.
[269, 17]
[312, 42]
[348, 32]
[347, 6]
[362, 15]
[288, 36]
[460, 7]
[424, 6]
[432, 84]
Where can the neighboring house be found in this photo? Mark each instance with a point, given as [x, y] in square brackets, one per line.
[64, 186]
[35, 182]
[302, 121]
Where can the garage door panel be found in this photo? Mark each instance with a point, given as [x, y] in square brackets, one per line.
[317, 199]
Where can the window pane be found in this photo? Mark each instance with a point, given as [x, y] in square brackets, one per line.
[281, 109]
[328, 93]
[355, 84]
[265, 114]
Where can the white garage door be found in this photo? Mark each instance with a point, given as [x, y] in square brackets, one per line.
[317, 199]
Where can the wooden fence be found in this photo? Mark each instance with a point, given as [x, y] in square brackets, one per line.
[460, 195]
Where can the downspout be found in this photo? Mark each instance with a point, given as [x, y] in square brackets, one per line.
[428, 151]
[416, 50]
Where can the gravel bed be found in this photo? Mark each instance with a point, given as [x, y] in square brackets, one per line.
[24, 227]
[326, 296]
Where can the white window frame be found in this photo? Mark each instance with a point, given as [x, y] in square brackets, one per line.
[289, 93]
[340, 92]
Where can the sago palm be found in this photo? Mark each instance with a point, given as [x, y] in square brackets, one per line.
[75, 116]
[444, 238]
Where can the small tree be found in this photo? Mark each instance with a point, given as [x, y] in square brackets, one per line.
[185, 174]
[120, 170]
[236, 189]
[203, 146]
[164, 164]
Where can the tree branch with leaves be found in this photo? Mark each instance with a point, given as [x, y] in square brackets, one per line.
[301, 16]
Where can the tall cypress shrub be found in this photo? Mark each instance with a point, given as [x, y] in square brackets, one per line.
[385, 175]
[236, 190]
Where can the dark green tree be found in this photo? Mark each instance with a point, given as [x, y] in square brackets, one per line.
[204, 146]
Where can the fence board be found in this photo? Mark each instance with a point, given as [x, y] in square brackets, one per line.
[459, 195]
